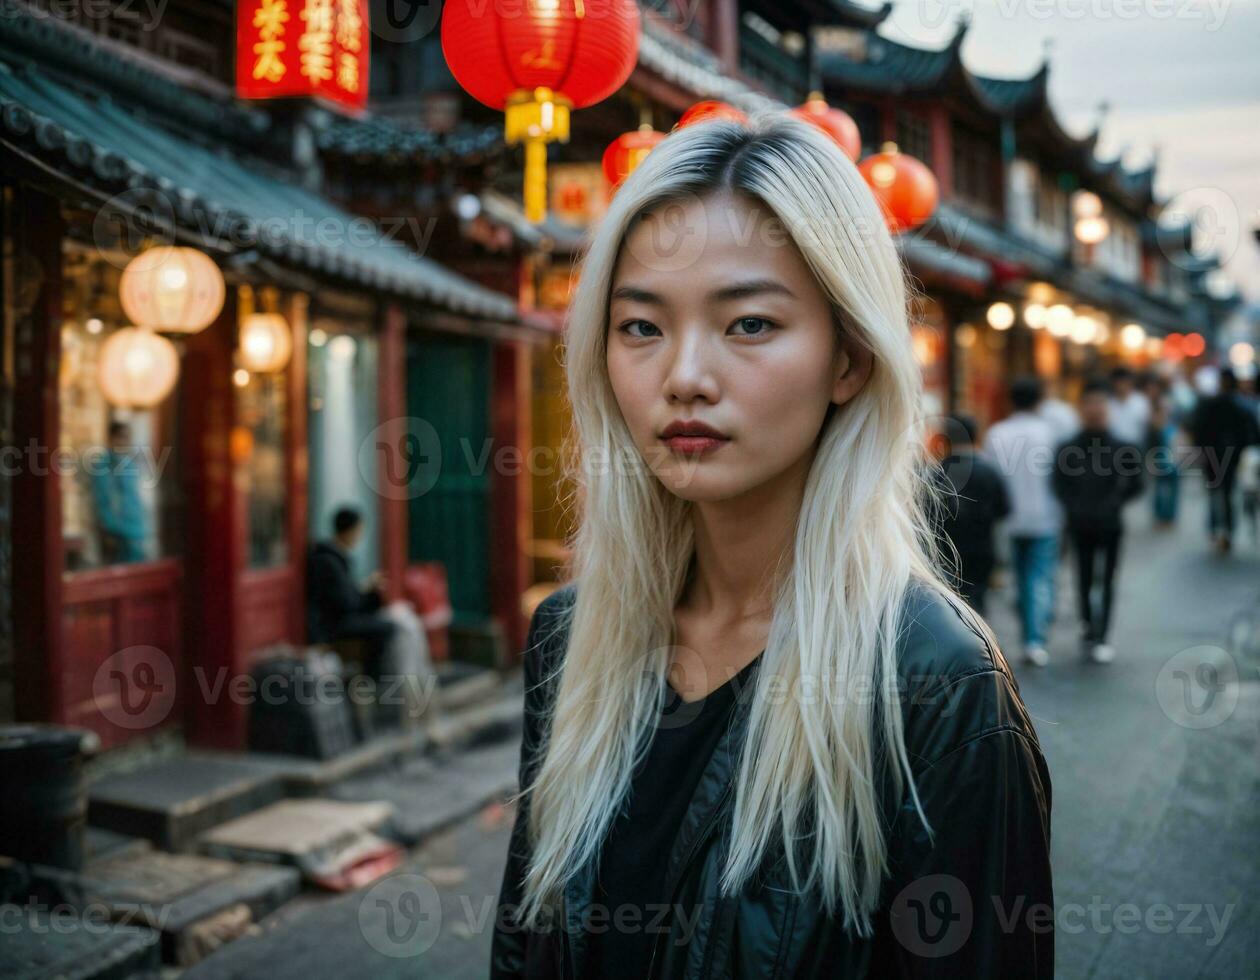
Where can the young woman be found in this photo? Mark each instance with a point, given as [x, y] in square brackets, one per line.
[762, 738]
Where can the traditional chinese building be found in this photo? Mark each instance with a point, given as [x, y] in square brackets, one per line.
[117, 138]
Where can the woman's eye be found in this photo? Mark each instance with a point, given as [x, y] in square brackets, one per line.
[627, 327]
[752, 323]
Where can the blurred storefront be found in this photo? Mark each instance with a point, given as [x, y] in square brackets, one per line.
[161, 541]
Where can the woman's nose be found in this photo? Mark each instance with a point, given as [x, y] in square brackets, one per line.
[692, 369]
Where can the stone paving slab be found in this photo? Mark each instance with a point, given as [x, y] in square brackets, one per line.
[41, 945]
[177, 895]
[426, 796]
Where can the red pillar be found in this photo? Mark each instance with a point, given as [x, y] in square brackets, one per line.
[297, 457]
[35, 229]
[942, 162]
[510, 429]
[392, 404]
[214, 538]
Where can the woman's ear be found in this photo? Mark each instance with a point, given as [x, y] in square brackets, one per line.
[854, 362]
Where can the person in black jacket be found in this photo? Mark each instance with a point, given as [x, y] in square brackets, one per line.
[336, 607]
[975, 500]
[1095, 475]
[1222, 427]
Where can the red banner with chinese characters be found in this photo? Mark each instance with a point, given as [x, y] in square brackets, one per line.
[290, 48]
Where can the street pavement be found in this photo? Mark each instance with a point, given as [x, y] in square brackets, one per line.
[1154, 766]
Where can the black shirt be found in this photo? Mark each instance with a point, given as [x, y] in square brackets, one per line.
[629, 888]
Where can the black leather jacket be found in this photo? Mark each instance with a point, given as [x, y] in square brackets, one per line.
[974, 902]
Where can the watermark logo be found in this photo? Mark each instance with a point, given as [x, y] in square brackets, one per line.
[135, 687]
[933, 916]
[402, 458]
[401, 916]
[1198, 688]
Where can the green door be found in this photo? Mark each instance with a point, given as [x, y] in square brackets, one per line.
[448, 386]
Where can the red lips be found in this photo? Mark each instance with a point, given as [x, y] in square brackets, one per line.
[691, 427]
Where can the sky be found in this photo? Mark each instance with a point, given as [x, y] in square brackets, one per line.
[1180, 76]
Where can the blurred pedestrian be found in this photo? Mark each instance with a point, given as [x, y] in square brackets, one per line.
[1222, 427]
[1061, 416]
[121, 518]
[1095, 475]
[975, 500]
[1161, 452]
[1022, 448]
[1129, 409]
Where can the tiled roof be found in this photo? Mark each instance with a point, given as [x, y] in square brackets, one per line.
[220, 194]
[379, 136]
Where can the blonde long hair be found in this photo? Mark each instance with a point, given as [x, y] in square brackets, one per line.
[861, 538]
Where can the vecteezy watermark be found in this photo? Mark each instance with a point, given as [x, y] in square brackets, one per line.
[135, 688]
[139, 15]
[1198, 687]
[37, 459]
[64, 919]
[307, 688]
[933, 916]
[936, 915]
[933, 14]
[401, 458]
[401, 916]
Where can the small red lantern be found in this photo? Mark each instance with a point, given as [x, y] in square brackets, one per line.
[1193, 344]
[1174, 347]
[711, 109]
[905, 188]
[835, 123]
[536, 61]
[627, 151]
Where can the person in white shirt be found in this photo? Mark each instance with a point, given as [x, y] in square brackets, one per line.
[1023, 448]
[1128, 409]
[1061, 416]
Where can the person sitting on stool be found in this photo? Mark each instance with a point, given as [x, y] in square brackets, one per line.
[337, 609]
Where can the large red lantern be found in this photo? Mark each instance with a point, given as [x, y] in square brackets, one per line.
[835, 123]
[905, 188]
[627, 151]
[536, 61]
[711, 109]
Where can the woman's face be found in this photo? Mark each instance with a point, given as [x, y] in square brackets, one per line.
[716, 318]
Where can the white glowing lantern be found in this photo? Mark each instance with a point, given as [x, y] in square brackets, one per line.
[171, 288]
[1092, 230]
[1132, 336]
[1059, 319]
[1084, 329]
[1086, 204]
[137, 368]
[1241, 354]
[1001, 316]
[1035, 315]
[266, 342]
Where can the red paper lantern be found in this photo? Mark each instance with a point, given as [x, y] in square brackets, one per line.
[905, 188]
[711, 109]
[1174, 347]
[627, 151]
[835, 123]
[536, 61]
[1193, 344]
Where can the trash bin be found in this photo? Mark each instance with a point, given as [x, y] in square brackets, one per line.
[43, 806]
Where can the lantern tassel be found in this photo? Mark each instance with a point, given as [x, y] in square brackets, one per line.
[535, 179]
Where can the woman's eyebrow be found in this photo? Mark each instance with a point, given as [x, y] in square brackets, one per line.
[738, 290]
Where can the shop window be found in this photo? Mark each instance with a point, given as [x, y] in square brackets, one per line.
[118, 467]
[260, 440]
[259, 446]
[342, 379]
